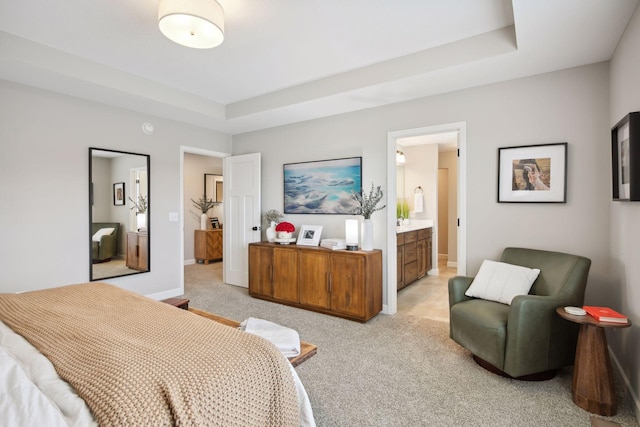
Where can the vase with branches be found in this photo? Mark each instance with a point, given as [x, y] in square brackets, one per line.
[367, 204]
[204, 205]
[141, 207]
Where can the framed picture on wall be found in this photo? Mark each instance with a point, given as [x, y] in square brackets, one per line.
[533, 174]
[118, 194]
[625, 158]
[322, 187]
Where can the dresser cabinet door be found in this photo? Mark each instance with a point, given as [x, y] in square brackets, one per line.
[314, 279]
[260, 270]
[285, 274]
[346, 285]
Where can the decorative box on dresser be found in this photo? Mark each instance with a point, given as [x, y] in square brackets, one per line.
[207, 245]
[414, 255]
[137, 246]
[341, 283]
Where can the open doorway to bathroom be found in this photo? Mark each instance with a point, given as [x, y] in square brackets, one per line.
[429, 188]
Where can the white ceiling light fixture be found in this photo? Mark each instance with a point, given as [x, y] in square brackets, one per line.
[192, 23]
[400, 158]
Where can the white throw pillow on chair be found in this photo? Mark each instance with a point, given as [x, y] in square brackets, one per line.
[96, 237]
[499, 281]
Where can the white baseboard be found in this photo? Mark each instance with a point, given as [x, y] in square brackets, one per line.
[627, 383]
[452, 264]
[189, 261]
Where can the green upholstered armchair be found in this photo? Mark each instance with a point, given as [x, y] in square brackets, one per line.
[527, 337]
[107, 246]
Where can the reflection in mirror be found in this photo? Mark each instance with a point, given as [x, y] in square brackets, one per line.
[213, 187]
[118, 213]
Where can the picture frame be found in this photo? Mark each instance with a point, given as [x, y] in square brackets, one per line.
[533, 173]
[625, 158]
[213, 187]
[323, 186]
[214, 222]
[118, 194]
[309, 235]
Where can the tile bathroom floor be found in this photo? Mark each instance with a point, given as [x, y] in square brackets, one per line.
[428, 297]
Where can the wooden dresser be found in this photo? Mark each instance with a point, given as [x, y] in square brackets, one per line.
[137, 250]
[341, 283]
[414, 256]
[207, 245]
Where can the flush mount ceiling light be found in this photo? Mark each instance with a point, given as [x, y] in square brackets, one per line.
[192, 23]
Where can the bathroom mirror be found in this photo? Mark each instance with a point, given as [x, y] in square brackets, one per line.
[118, 213]
[213, 187]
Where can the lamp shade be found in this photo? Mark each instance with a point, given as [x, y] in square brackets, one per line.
[192, 23]
[351, 234]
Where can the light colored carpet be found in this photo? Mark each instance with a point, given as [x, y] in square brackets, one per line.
[397, 370]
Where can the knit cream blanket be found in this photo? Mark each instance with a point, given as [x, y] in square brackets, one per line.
[136, 361]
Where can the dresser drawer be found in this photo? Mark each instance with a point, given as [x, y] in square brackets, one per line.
[410, 252]
[400, 239]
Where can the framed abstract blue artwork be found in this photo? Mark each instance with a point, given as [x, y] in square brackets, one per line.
[322, 187]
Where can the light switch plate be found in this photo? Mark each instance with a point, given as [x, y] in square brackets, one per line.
[173, 216]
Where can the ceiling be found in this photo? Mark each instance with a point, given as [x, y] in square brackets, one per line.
[284, 61]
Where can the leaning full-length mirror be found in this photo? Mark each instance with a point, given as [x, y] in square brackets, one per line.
[118, 213]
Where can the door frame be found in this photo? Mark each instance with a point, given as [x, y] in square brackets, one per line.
[392, 281]
[201, 152]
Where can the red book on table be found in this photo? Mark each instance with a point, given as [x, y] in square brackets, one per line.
[605, 314]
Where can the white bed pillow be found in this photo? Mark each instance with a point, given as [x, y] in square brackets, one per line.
[499, 281]
[98, 234]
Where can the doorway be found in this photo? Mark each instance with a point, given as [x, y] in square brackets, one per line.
[189, 215]
[459, 220]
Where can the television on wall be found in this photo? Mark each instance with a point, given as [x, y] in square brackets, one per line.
[323, 186]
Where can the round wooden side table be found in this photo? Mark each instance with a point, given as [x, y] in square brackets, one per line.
[593, 388]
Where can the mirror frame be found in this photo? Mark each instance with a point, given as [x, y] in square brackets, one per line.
[148, 212]
[216, 190]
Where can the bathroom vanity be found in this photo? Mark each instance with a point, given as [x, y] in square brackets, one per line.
[414, 253]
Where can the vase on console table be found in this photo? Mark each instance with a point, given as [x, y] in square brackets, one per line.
[367, 235]
[203, 221]
[271, 232]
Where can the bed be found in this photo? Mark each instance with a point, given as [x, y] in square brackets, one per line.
[95, 354]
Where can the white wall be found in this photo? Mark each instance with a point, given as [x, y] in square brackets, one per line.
[623, 287]
[570, 105]
[44, 217]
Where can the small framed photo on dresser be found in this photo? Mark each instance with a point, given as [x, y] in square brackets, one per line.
[309, 235]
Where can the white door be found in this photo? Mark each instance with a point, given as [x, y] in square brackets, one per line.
[241, 214]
